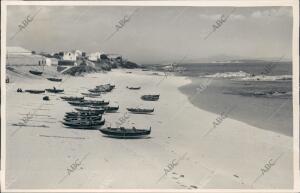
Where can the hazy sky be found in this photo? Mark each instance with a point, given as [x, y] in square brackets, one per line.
[155, 34]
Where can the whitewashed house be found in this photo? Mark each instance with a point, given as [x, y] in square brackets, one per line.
[94, 57]
[68, 58]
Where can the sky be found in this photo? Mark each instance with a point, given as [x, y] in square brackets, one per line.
[155, 34]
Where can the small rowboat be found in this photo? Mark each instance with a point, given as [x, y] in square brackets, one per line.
[35, 91]
[125, 133]
[140, 110]
[54, 90]
[88, 110]
[55, 79]
[91, 94]
[72, 98]
[150, 97]
[38, 73]
[84, 124]
[107, 109]
[81, 118]
[87, 103]
[83, 114]
[134, 88]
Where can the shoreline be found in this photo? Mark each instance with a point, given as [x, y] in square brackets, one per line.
[250, 110]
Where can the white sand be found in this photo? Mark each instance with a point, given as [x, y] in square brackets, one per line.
[232, 148]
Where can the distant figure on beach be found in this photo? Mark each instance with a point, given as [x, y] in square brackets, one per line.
[19, 90]
[54, 88]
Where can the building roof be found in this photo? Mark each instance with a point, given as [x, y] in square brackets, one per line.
[16, 50]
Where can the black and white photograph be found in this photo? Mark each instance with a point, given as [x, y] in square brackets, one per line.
[121, 96]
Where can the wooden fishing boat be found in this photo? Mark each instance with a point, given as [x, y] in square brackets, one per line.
[122, 132]
[84, 124]
[35, 91]
[134, 88]
[54, 90]
[107, 109]
[38, 73]
[95, 90]
[83, 118]
[140, 110]
[89, 110]
[150, 97]
[91, 94]
[103, 88]
[55, 79]
[82, 113]
[72, 98]
[86, 103]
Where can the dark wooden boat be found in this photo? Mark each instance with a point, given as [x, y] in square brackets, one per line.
[150, 97]
[103, 88]
[140, 110]
[55, 79]
[38, 73]
[134, 88]
[84, 124]
[82, 113]
[83, 118]
[86, 103]
[125, 133]
[72, 98]
[107, 109]
[91, 94]
[88, 110]
[35, 91]
[54, 90]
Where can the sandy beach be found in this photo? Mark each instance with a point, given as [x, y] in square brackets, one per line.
[230, 155]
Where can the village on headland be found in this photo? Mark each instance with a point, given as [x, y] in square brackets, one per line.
[88, 110]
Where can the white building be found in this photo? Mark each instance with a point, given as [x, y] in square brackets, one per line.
[69, 56]
[94, 57]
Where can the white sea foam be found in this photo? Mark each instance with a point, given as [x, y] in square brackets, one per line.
[267, 78]
[228, 75]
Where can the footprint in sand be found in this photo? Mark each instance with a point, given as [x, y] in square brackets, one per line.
[192, 186]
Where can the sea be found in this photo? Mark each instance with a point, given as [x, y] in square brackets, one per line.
[260, 93]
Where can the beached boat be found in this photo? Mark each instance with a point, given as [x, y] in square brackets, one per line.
[84, 124]
[83, 118]
[140, 110]
[134, 88]
[35, 91]
[150, 97]
[91, 94]
[122, 132]
[86, 103]
[54, 90]
[83, 113]
[103, 88]
[38, 73]
[107, 109]
[72, 98]
[89, 110]
[55, 79]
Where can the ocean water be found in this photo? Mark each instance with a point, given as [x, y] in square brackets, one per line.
[256, 68]
[260, 99]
